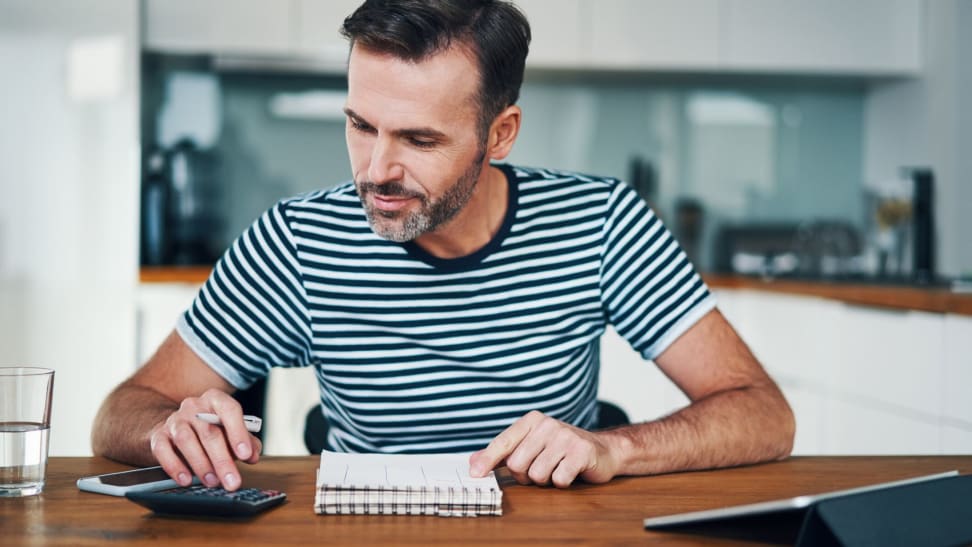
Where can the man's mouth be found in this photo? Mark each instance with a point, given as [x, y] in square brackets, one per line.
[389, 197]
[390, 203]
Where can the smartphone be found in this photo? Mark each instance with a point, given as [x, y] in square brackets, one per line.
[146, 479]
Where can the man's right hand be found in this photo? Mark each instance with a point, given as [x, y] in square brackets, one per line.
[209, 450]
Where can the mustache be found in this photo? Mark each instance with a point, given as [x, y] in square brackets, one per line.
[390, 189]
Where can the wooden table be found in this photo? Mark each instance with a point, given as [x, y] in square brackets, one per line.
[609, 514]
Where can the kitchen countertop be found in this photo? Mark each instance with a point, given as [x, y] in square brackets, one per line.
[881, 295]
[900, 297]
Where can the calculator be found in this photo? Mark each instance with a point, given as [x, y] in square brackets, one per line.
[202, 501]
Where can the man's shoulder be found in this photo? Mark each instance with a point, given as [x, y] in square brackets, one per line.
[343, 194]
[339, 201]
[541, 185]
[528, 174]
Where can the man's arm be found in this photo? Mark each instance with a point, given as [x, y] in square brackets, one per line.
[150, 418]
[737, 416]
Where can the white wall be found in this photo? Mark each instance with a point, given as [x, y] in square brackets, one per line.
[927, 122]
[69, 200]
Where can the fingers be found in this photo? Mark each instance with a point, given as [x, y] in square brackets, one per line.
[215, 463]
[231, 415]
[169, 459]
[257, 449]
[185, 439]
[484, 461]
[541, 450]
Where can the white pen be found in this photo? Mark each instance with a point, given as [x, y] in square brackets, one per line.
[252, 423]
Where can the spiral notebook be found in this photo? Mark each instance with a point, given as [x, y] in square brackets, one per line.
[404, 484]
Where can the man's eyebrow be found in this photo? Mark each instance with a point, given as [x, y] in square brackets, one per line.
[352, 114]
[426, 132]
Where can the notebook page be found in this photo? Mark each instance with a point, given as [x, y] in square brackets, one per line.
[340, 470]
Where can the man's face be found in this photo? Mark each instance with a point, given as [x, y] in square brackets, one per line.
[416, 156]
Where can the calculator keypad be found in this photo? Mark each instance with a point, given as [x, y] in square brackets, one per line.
[247, 495]
[205, 500]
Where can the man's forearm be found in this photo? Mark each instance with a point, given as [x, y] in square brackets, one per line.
[125, 421]
[735, 427]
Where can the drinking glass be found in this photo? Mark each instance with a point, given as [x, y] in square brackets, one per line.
[25, 424]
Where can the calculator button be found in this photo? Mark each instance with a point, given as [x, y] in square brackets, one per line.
[204, 500]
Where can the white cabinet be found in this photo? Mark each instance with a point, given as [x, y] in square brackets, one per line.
[159, 307]
[957, 380]
[318, 28]
[854, 427]
[888, 388]
[653, 34]
[862, 380]
[623, 34]
[257, 27]
[832, 36]
[864, 37]
[558, 35]
[284, 30]
[893, 359]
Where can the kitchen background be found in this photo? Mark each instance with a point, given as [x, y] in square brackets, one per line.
[781, 138]
[738, 152]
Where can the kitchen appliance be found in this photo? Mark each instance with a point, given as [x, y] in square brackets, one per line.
[902, 226]
[180, 224]
[155, 238]
[815, 249]
[755, 248]
[688, 226]
[643, 177]
[923, 224]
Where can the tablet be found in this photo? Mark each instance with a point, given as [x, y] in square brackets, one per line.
[766, 508]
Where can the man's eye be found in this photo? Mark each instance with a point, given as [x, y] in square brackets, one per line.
[420, 143]
[358, 126]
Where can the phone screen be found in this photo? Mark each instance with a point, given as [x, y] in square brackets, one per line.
[131, 478]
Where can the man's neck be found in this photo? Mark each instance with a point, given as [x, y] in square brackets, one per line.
[478, 222]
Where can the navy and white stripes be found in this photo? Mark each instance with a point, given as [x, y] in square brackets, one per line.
[419, 354]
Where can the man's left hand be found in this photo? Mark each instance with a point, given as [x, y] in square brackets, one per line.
[541, 450]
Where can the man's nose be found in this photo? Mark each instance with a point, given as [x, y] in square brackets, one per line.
[385, 163]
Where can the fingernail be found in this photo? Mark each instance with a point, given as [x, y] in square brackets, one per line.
[183, 479]
[475, 471]
[231, 480]
[243, 451]
[210, 479]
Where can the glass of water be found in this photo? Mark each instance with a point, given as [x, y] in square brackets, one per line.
[25, 424]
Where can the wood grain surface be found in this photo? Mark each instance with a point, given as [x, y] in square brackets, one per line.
[609, 514]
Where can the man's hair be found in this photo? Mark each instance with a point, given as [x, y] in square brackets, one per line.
[496, 32]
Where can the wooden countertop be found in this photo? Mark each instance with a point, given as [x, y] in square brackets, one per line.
[900, 297]
[194, 275]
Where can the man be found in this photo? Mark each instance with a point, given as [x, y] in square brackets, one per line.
[448, 303]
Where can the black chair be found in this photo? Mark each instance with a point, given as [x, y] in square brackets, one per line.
[315, 426]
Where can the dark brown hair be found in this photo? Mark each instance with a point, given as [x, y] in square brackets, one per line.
[496, 32]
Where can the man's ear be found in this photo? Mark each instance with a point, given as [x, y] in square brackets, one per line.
[503, 132]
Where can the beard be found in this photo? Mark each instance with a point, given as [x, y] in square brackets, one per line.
[407, 225]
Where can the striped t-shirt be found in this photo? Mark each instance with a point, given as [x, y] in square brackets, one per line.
[415, 353]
